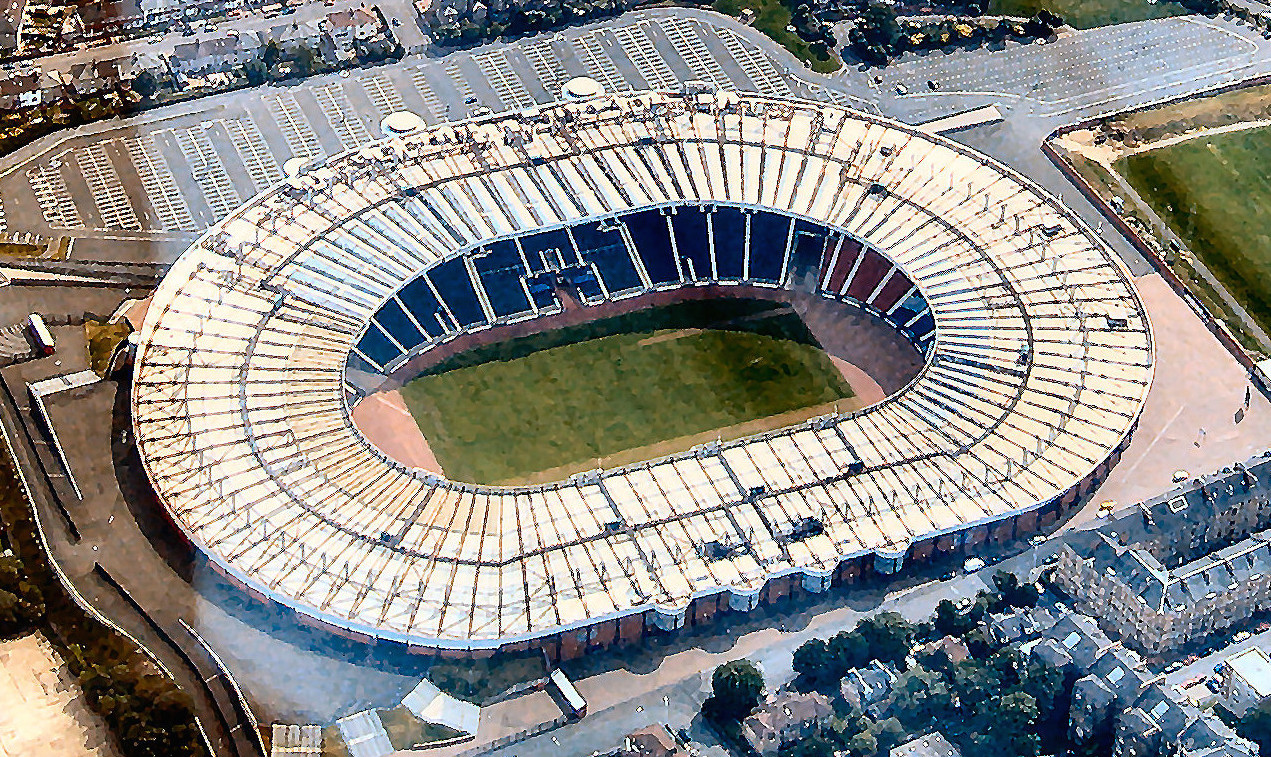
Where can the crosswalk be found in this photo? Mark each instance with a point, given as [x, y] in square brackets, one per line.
[55, 200]
[546, 64]
[599, 65]
[639, 49]
[250, 145]
[683, 37]
[432, 102]
[757, 66]
[455, 74]
[236, 154]
[384, 96]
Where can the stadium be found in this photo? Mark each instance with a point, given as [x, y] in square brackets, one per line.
[1032, 354]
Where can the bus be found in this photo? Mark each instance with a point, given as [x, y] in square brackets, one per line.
[41, 337]
[577, 706]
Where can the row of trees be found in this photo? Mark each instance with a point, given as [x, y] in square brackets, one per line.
[466, 27]
[147, 712]
[994, 701]
[21, 601]
[888, 637]
[879, 36]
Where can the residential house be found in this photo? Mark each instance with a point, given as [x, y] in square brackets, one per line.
[784, 718]
[1116, 696]
[1187, 564]
[931, 745]
[652, 741]
[1021, 624]
[868, 689]
[948, 650]
[224, 53]
[352, 25]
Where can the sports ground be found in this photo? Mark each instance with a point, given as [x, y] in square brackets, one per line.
[573, 406]
[1213, 191]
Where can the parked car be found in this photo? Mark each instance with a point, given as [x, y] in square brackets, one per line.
[1174, 666]
[973, 564]
[1242, 636]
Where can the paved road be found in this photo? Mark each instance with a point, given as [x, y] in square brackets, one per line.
[228, 727]
[621, 701]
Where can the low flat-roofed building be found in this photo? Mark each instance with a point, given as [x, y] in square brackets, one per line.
[1246, 680]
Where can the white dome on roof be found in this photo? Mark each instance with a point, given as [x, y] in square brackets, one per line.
[400, 122]
[581, 88]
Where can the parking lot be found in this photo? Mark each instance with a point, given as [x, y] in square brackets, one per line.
[181, 173]
[1118, 66]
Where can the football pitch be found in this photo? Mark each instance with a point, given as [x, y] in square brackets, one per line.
[1214, 192]
[571, 406]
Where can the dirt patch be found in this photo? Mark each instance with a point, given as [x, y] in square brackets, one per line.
[866, 388]
[42, 709]
[386, 423]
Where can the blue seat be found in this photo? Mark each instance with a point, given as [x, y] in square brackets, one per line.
[729, 225]
[608, 252]
[418, 298]
[455, 287]
[692, 243]
[653, 244]
[393, 320]
[377, 347]
[501, 271]
[769, 233]
[548, 250]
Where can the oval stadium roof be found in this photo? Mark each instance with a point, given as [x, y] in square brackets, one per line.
[1037, 370]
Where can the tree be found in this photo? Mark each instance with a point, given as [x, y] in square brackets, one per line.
[811, 746]
[949, 622]
[272, 54]
[813, 663]
[848, 649]
[888, 733]
[21, 602]
[1012, 592]
[736, 687]
[876, 33]
[1256, 726]
[889, 636]
[862, 744]
[145, 84]
[256, 72]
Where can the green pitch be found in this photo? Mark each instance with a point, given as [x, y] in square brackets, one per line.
[1215, 193]
[570, 405]
[1087, 14]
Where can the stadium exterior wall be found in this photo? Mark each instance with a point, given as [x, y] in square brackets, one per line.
[703, 611]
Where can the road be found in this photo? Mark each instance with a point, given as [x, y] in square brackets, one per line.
[628, 698]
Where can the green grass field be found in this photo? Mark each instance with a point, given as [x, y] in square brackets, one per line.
[1087, 14]
[1215, 193]
[569, 405]
[771, 18]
